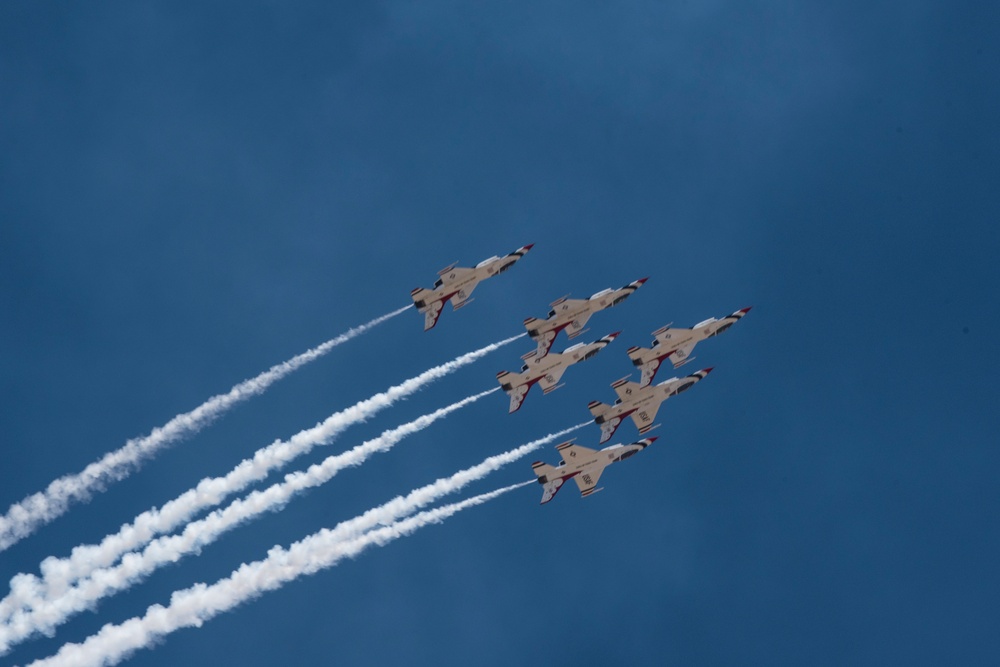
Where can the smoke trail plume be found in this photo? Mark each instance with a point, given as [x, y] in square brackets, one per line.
[59, 573]
[46, 615]
[193, 606]
[25, 517]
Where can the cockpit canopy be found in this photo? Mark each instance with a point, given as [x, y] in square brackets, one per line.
[486, 261]
[602, 293]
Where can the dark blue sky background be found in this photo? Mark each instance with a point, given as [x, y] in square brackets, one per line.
[190, 194]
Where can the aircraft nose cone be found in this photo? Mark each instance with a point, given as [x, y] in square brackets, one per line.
[708, 370]
[642, 281]
[746, 310]
[528, 247]
[614, 335]
[653, 439]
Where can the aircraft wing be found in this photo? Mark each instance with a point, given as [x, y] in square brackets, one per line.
[626, 389]
[576, 327]
[564, 304]
[571, 452]
[461, 297]
[587, 481]
[682, 355]
[550, 381]
[453, 274]
[644, 418]
[431, 314]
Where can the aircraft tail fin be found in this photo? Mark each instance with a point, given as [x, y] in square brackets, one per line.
[421, 297]
[597, 408]
[638, 354]
[544, 471]
[509, 380]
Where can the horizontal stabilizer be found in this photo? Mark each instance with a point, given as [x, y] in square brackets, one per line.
[597, 408]
[569, 451]
[421, 297]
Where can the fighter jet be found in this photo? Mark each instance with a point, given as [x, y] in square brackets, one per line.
[677, 344]
[639, 403]
[583, 465]
[572, 315]
[547, 371]
[456, 283]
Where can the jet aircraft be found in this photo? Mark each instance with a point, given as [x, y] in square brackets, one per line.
[572, 315]
[583, 465]
[456, 284]
[676, 344]
[639, 403]
[547, 371]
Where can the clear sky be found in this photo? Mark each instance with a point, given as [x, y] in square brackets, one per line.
[191, 193]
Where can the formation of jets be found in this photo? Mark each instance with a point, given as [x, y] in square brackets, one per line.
[638, 400]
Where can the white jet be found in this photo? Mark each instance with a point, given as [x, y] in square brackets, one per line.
[547, 371]
[572, 315]
[677, 344]
[456, 284]
[639, 403]
[583, 465]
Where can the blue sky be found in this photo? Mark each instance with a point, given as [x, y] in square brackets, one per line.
[190, 194]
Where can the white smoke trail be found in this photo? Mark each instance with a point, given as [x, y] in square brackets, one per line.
[134, 567]
[25, 517]
[57, 573]
[199, 603]
[402, 506]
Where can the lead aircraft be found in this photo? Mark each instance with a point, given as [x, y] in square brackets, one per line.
[639, 403]
[572, 315]
[456, 283]
[583, 465]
